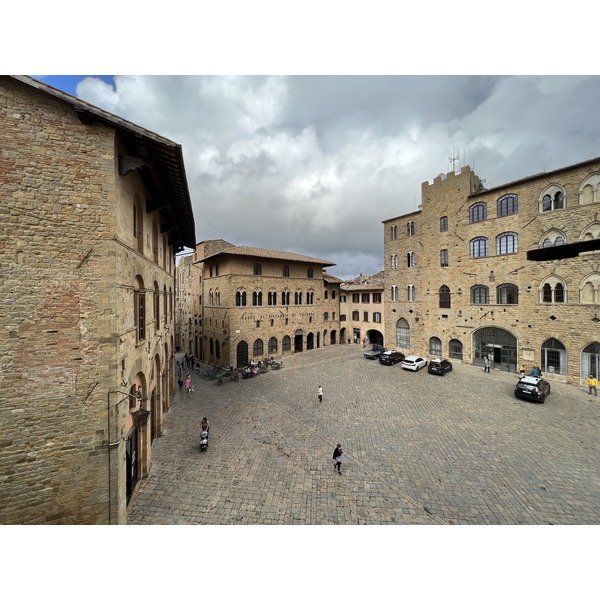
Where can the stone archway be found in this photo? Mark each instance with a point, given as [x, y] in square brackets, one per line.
[497, 344]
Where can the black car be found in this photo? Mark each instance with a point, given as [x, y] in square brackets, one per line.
[532, 388]
[439, 366]
[391, 357]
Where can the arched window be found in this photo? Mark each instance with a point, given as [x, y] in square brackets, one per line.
[212, 347]
[273, 345]
[394, 293]
[138, 224]
[272, 298]
[257, 298]
[480, 294]
[507, 205]
[554, 357]
[590, 360]
[394, 232]
[240, 298]
[455, 349]
[410, 228]
[309, 273]
[444, 297]
[552, 198]
[402, 334]
[326, 294]
[435, 346]
[332, 295]
[286, 343]
[410, 259]
[507, 293]
[478, 212]
[286, 271]
[257, 348]
[217, 349]
[478, 247]
[410, 292]
[547, 293]
[326, 316]
[297, 298]
[285, 298]
[507, 243]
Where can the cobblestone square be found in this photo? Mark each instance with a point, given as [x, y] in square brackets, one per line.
[418, 449]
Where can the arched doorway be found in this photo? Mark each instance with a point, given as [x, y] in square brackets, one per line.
[343, 335]
[554, 357]
[499, 345]
[374, 337]
[455, 348]
[325, 338]
[242, 354]
[310, 341]
[333, 336]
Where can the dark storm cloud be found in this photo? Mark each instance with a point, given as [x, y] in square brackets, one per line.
[314, 164]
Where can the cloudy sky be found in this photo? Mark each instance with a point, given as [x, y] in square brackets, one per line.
[313, 164]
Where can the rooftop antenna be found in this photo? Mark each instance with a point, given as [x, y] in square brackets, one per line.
[453, 158]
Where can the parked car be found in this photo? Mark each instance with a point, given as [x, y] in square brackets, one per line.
[391, 357]
[532, 388]
[439, 366]
[413, 363]
[374, 352]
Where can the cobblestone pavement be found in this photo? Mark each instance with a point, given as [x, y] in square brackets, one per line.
[418, 449]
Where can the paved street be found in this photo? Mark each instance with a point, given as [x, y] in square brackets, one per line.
[418, 449]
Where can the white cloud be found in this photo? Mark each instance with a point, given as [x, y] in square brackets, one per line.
[314, 164]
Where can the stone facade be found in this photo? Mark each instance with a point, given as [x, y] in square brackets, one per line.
[87, 240]
[185, 317]
[511, 273]
[242, 313]
[362, 308]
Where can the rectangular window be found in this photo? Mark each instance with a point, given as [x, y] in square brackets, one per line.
[376, 297]
[356, 298]
[366, 298]
[443, 223]
[355, 315]
[342, 298]
[444, 258]
[366, 317]
[257, 269]
[342, 317]
[141, 316]
[377, 317]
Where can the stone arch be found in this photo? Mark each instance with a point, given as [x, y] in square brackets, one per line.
[589, 289]
[549, 238]
[588, 190]
[590, 232]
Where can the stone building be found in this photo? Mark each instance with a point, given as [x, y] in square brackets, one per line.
[92, 211]
[511, 273]
[254, 303]
[362, 309]
[185, 317]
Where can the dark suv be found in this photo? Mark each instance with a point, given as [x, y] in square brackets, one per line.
[439, 366]
[532, 388]
[391, 357]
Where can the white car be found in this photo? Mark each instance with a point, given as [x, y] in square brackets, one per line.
[413, 363]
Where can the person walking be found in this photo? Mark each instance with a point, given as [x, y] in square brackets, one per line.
[180, 382]
[188, 383]
[337, 458]
[486, 367]
[522, 370]
[205, 425]
[592, 384]
[320, 394]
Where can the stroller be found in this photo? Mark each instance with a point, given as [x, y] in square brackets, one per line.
[203, 441]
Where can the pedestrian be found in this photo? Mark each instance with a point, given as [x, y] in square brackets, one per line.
[186, 359]
[188, 383]
[180, 382]
[337, 458]
[522, 370]
[486, 367]
[535, 372]
[592, 383]
[205, 425]
[320, 394]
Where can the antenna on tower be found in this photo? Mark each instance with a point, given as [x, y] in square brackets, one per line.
[453, 158]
